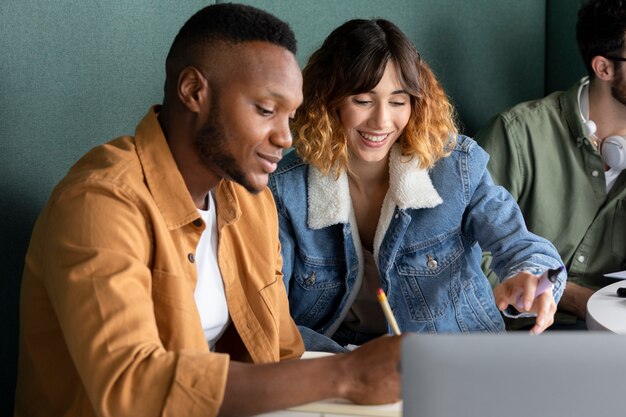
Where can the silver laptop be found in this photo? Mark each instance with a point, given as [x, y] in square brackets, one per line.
[568, 374]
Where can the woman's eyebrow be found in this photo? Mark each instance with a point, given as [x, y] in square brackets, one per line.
[393, 93]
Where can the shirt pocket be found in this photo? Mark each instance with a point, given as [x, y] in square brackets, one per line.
[427, 271]
[618, 231]
[317, 290]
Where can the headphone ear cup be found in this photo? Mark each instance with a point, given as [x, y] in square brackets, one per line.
[614, 152]
[589, 128]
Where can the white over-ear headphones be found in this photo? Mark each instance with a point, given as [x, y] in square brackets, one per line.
[612, 148]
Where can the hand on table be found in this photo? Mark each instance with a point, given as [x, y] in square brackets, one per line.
[375, 371]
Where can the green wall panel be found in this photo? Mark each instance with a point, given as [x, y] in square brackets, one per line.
[564, 66]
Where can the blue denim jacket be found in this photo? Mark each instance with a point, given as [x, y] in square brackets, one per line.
[427, 245]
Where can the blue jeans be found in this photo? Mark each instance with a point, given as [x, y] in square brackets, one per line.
[317, 342]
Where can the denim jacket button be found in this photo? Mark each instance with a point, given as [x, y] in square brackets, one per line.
[432, 263]
[311, 279]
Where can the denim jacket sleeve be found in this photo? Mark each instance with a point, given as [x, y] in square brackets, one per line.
[494, 219]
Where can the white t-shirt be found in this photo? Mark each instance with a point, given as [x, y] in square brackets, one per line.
[209, 293]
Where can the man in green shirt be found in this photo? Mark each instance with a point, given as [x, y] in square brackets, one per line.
[560, 159]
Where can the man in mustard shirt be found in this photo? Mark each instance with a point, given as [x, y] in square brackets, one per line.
[152, 283]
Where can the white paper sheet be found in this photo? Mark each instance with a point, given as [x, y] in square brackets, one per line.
[616, 275]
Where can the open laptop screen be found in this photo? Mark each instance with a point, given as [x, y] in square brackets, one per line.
[566, 374]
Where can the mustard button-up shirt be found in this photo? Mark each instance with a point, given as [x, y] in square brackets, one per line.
[109, 325]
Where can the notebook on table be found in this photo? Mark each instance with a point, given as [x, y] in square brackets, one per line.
[565, 374]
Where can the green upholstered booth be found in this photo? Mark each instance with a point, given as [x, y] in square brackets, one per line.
[74, 74]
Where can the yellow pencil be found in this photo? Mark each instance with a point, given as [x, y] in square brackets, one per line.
[382, 298]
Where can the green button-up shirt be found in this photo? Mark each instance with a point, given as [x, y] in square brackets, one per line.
[540, 154]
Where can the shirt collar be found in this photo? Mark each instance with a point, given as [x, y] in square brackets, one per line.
[164, 180]
[166, 183]
[572, 113]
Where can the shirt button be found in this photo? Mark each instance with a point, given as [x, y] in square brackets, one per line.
[594, 173]
[191, 258]
[581, 259]
[396, 216]
[197, 222]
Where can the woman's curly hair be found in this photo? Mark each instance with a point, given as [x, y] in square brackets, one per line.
[352, 60]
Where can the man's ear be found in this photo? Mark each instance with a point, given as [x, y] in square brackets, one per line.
[193, 89]
[603, 68]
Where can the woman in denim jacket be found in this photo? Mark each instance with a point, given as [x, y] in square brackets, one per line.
[382, 192]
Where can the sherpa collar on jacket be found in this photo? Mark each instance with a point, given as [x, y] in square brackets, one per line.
[329, 199]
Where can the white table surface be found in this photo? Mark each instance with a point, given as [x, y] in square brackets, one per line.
[339, 408]
[606, 311]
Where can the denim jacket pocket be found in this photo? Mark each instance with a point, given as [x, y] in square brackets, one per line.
[427, 273]
[478, 311]
[317, 291]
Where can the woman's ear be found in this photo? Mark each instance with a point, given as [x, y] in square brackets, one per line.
[193, 89]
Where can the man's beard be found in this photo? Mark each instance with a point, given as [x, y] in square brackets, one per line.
[212, 145]
[618, 87]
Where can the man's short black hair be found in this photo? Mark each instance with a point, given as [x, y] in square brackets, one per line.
[230, 23]
[600, 29]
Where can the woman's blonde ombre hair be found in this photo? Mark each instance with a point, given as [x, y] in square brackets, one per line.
[351, 61]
